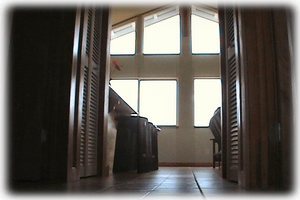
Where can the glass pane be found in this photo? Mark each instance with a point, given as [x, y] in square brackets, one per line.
[207, 98]
[162, 37]
[158, 101]
[123, 40]
[205, 35]
[127, 90]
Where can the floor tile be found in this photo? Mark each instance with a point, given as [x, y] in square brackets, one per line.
[174, 192]
[165, 182]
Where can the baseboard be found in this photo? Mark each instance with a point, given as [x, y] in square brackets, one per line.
[177, 164]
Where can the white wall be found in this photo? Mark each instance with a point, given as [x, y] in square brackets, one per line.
[182, 144]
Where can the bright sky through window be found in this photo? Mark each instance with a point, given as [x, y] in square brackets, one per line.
[205, 35]
[207, 98]
[163, 37]
[158, 101]
[128, 90]
[123, 40]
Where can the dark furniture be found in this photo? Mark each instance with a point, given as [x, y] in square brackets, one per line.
[154, 158]
[136, 140]
[126, 145]
[136, 145]
[215, 127]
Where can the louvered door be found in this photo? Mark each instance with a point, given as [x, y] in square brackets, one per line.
[232, 90]
[89, 97]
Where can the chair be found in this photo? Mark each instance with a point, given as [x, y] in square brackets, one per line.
[215, 127]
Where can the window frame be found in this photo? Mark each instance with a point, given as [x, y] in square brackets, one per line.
[206, 13]
[133, 20]
[156, 79]
[177, 99]
[177, 8]
[129, 79]
[195, 78]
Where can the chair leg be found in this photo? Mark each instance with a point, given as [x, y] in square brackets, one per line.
[214, 151]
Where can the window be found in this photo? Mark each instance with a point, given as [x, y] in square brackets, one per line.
[158, 101]
[123, 40]
[128, 90]
[205, 31]
[162, 32]
[207, 98]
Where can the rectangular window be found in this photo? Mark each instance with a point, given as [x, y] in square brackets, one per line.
[207, 98]
[205, 31]
[162, 32]
[123, 40]
[158, 101]
[128, 90]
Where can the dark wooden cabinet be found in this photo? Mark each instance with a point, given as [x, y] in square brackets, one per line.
[126, 145]
[144, 145]
[54, 70]
[154, 149]
[136, 145]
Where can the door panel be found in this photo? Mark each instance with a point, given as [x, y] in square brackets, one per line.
[90, 97]
[230, 73]
[256, 75]
[87, 133]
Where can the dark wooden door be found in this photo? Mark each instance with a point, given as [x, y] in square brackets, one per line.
[231, 84]
[282, 162]
[40, 60]
[88, 92]
[257, 75]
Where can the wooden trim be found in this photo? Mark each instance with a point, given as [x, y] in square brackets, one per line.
[177, 164]
[224, 92]
[73, 153]
[103, 169]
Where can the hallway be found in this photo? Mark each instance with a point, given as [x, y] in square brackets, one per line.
[165, 182]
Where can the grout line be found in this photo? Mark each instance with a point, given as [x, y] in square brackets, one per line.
[147, 193]
[154, 188]
[198, 185]
[120, 183]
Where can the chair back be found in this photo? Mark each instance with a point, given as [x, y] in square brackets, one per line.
[215, 126]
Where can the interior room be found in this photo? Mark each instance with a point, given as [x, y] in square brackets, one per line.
[159, 100]
[178, 69]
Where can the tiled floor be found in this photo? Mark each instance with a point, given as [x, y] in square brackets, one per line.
[213, 185]
[165, 182]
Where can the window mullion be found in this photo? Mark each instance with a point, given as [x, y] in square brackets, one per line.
[139, 35]
[185, 30]
[139, 97]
